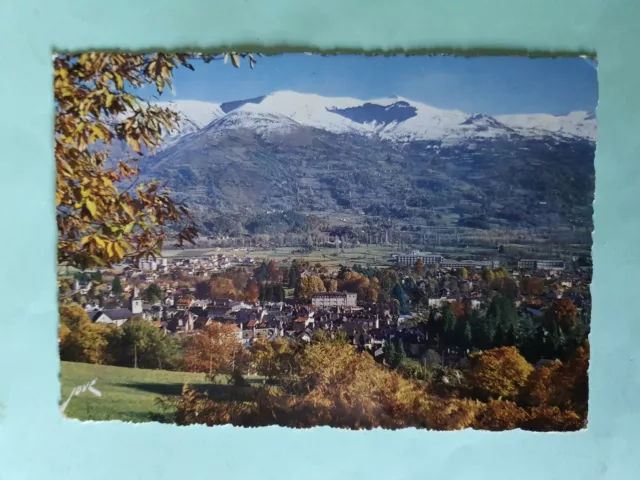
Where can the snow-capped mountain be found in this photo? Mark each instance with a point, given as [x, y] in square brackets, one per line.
[385, 157]
[578, 124]
[196, 114]
[254, 118]
[394, 118]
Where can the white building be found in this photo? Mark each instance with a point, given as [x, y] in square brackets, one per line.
[529, 264]
[427, 258]
[334, 299]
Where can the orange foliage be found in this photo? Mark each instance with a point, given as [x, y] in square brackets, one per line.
[561, 313]
[215, 350]
[553, 419]
[458, 309]
[498, 415]
[252, 292]
[335, 385]
[221, 287]
[531, 286]
[499, 373]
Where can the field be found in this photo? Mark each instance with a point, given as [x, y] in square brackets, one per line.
[330, 257]
[128, 394]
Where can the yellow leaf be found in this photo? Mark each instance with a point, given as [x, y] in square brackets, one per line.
[119, 250]
[128, 210]
[91, 206]
[119, 82]
[135, 144]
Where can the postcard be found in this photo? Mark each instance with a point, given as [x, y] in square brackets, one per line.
[325, 240]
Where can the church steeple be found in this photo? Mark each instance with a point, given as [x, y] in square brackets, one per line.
[135, 302]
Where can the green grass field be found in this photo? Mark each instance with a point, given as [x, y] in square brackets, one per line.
[129, 394]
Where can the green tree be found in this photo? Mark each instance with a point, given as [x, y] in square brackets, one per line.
[399, 355]
[399, 295]
[389, 353]
[153, 293]
[116, 287]
[140, 344]
[388, 279]
[463, 333]
[262, 273]
[449, 325]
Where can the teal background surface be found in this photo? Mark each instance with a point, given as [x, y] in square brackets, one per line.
[36, 443]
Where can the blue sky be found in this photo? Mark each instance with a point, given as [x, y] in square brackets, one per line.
[491, 85]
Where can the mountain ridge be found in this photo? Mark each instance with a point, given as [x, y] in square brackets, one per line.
[392, 118]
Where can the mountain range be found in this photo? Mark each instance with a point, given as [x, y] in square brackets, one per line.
[389, 157]
[394, 118]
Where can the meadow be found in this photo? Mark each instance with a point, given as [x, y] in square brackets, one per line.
[129, 394]
[374, 255]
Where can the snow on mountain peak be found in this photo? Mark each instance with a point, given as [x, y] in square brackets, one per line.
[393, 118]
[195, 111]
[574, 124]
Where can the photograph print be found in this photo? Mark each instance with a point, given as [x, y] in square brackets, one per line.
[311, 240]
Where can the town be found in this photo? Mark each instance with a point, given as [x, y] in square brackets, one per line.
[428, 307]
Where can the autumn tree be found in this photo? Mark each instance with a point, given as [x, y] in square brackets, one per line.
[561, 314]
[531, 286]
[81, 340]
[499, 373]
[222, 287]
[500, 272]
[418, 268]
[334, 385]
[563, 385]
[331, 285]
[252, 292]
[463, 273]
[308, 286]
[373, 290]
[273, 359]
[104, 213]
[500, 415]
[215, 350]
[487, 274]
[273, 272]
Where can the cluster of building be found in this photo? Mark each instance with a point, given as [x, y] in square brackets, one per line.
[410, 259]
[369, 326]
[197, 267]
[406, 260]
